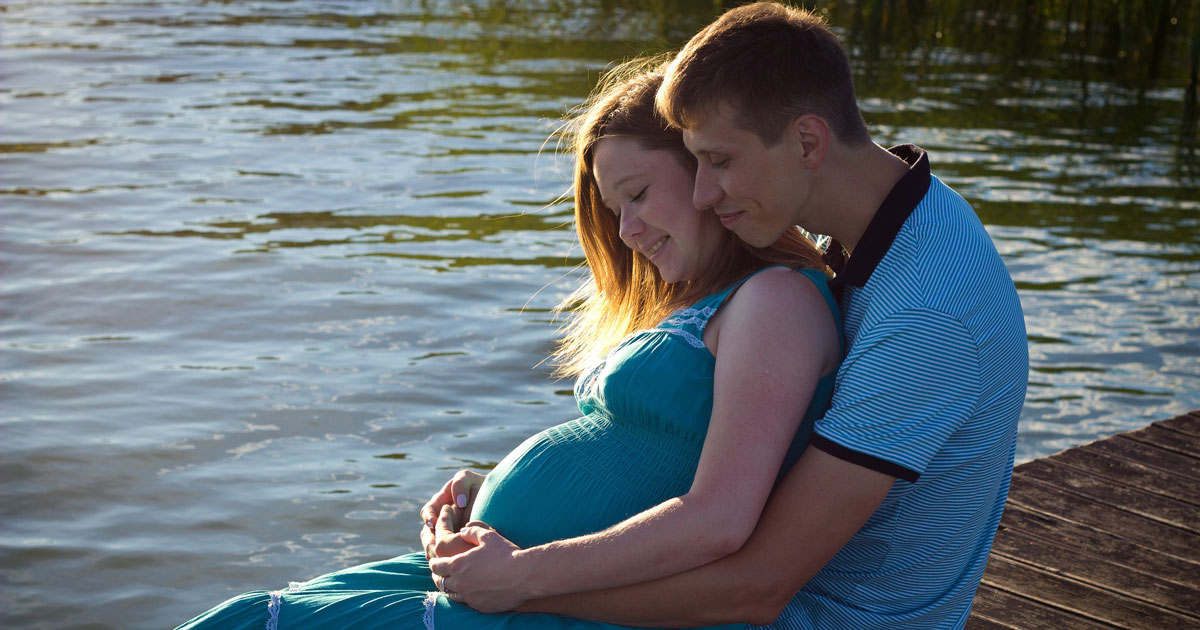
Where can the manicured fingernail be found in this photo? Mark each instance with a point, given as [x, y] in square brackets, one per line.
[462, 500]
[429, 524]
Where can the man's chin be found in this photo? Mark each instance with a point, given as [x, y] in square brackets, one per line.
[753, 237]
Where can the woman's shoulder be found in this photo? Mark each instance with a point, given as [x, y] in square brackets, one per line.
[787, 307]
[776, 287]
[798, 297]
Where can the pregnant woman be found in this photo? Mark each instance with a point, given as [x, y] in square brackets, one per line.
[701, 364]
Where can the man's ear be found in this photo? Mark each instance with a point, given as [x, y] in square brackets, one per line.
[814, 137]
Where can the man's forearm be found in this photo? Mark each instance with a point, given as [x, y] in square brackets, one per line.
[708, 595]
[819, 506]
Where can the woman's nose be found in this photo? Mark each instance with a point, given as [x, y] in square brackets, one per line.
[631, 225]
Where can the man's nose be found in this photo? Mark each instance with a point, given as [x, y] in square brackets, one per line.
[706, 193]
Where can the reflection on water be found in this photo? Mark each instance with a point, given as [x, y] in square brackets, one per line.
[320, 229]
[272, 269]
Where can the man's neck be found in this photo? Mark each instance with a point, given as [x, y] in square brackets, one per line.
[857, 182]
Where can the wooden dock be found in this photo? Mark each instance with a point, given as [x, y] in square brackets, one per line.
[1105, 535]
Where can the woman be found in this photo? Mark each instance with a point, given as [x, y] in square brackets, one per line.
[701, 364]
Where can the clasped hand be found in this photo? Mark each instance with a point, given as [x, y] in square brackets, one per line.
[470, 562]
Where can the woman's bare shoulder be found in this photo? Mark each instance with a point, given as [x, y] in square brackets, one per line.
[779, 287]
[784, 306]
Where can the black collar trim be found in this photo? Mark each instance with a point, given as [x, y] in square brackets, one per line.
[888, 219]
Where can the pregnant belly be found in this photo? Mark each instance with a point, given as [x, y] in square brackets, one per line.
[581, 477]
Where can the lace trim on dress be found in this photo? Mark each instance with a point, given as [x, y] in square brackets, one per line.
[697, 317]
[275, 604]
[430, 603]
[273, 610]
[691, 339]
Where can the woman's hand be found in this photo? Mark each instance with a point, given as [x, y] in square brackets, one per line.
[486, 577]
[457, 496]
[443, 541]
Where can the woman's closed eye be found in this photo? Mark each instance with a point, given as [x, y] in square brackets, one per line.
[641, 194]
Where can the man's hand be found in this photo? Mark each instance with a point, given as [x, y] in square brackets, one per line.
[486, 577]
[458, 496]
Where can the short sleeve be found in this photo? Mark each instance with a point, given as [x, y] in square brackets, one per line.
[907, 383]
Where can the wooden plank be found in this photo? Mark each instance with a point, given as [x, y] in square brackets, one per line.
[1148, 504]
[1083, 599]
[1035, 495]
[1168, 439]
[1105, 535]
[1019, 613]
[1129, 473]
[1089, 568]
[1188, 423]
[1150, 455]
[1116, 549]
[979, 623]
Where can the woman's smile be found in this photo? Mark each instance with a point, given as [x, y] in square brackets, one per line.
[655, 247]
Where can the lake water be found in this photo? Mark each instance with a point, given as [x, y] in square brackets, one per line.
[270, 271]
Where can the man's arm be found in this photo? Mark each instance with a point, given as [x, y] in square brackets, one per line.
[817, 507]
[775, 338]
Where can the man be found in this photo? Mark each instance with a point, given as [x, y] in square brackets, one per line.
[888, 518]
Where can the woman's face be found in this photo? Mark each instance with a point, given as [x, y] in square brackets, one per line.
[651, 194]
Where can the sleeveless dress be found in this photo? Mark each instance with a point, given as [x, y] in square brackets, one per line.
[646, 409]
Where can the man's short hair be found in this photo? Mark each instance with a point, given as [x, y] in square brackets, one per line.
[771, 63]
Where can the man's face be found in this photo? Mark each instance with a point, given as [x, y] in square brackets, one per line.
[757, 191]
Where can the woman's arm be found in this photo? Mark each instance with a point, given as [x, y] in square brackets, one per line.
[776, 338]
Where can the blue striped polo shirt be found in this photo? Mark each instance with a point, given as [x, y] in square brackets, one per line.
[929, 392]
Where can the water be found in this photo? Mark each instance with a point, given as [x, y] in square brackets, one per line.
[272, 270]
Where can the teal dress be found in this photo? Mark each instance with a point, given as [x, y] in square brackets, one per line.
[645, 409]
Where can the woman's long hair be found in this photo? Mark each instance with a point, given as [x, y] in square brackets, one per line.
[625, 292]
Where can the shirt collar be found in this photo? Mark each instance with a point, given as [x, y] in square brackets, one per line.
[888, 218]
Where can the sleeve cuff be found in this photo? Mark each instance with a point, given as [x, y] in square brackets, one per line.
[862, 459]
